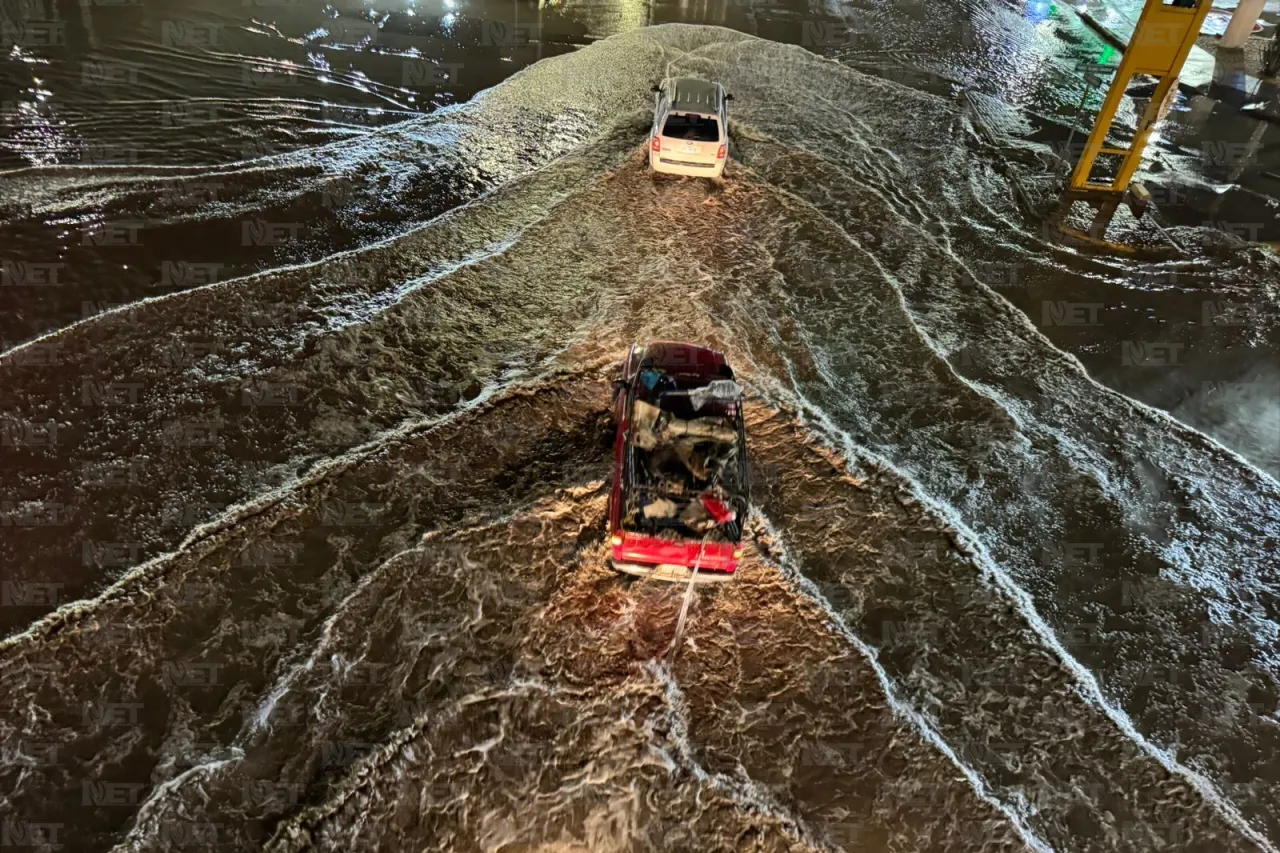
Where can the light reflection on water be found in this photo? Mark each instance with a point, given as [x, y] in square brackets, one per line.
[793, 262]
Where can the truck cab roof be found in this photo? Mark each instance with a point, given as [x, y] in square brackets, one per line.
[682, 358]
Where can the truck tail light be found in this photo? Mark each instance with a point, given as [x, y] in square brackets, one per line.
[737, 553]
[615, 540]
[723, 152]
[656, 145]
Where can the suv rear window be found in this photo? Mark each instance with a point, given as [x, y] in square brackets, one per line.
[695, 128]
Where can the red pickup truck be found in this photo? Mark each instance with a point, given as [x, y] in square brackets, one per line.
[680, 479]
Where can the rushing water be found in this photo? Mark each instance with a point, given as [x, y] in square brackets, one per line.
[311, 557]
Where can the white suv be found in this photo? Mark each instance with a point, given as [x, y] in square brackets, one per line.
[690, 133]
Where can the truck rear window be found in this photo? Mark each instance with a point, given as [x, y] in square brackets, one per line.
[694, 128]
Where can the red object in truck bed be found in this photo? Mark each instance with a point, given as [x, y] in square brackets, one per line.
[640, 553]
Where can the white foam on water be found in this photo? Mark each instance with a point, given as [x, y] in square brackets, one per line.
[1086, 682]
[148, 813]
[899, 706]
[741, 789]
[206, 535]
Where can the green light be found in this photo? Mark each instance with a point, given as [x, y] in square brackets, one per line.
[1105, 57]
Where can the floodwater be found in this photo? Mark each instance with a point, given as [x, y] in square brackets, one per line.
[309, 323]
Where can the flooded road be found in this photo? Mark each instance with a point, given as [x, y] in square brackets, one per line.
[306, 443]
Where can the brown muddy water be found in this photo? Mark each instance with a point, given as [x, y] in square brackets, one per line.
[309, 317]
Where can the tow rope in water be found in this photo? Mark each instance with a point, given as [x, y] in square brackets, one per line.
[688, 597]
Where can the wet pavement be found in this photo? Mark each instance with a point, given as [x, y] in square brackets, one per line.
[308, 319]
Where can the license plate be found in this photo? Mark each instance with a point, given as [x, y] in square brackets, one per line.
[690, 148]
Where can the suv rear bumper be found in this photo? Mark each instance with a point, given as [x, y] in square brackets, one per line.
[689, 170]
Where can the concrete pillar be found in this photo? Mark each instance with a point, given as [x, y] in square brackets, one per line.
[1242, 21]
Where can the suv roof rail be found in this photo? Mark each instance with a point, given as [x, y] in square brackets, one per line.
[689, 94]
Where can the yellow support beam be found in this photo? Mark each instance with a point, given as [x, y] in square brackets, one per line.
[1159, 48]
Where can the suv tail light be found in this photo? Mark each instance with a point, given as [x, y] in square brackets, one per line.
[656, 145]
[724, 149]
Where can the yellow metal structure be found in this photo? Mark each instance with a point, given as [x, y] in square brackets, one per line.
[1159, 48]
